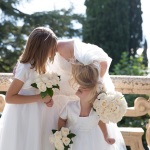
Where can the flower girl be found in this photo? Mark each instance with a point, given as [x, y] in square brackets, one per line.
[80, 116]
[25, 124]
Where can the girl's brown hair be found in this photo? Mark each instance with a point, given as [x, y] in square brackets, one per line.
[40, 46]
[86, 76]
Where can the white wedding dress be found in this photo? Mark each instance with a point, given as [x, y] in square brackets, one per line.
[86, 54]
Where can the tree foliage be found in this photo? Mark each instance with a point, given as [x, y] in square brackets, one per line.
[114, 25]
[130, 65]
[15, 27]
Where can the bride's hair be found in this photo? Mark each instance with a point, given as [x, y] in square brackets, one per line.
[41, 45]
[86, 76]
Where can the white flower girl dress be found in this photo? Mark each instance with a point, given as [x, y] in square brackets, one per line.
[26, 126]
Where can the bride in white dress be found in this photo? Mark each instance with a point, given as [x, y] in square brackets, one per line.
[84, 53]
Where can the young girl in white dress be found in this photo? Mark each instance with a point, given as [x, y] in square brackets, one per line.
[79, 116]
[25, 124]
[67, 52]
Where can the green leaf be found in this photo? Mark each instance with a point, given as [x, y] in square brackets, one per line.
[59, 77]
[71, 135]
[34, 85]
[50, 92]
[54, 130]
[66, 147]
[56, 86]
[43, 94]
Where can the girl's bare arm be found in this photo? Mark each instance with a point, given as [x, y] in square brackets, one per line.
[105, 133]
[61, 123]
[13, 97]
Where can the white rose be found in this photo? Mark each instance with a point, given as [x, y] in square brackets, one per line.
[58, 135]
[99, 110]
[41, 86]
[117, 109]
[107, 111]
[115, 118]
[56, 91]
[103, 103]
[111, 92]
[64, 131]
[102, 96]
[44, 78]
[49, 84]
[96, 104]
[55, 81]
[37, 80]
[59, 144]
[123, 102]
[52, 139]
[104, 119]
[56, 78]
[100, 87]
[66, 141]
[54, 74]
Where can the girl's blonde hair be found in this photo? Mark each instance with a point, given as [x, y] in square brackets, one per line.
[40, 46]
[86, 76]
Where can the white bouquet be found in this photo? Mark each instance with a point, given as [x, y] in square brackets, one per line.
[47, 83]
[62, 139]
[110, 106]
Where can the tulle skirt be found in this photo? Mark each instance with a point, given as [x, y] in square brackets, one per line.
[27, 126]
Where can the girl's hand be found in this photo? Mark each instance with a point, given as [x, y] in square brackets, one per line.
[46, 99]
[110, 140]
[49, 103]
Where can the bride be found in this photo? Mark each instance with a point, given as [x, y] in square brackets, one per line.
[67, 52]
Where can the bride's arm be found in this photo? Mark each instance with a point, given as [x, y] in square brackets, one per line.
[66, 48]
[103, 68]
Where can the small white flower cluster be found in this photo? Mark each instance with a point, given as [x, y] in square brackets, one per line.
[48, 83]
[61, 139]
[110, 106]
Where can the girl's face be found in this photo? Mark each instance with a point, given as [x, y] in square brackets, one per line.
[83, 93]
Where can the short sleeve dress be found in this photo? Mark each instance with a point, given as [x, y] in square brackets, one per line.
[88, 134]
[26, 126]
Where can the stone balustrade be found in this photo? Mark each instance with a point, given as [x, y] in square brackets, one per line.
[124, 84]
